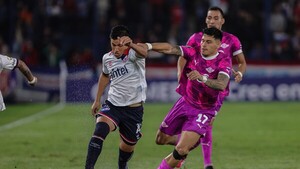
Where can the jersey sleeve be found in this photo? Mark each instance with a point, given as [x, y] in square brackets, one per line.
[8, 63]
[104, 67]
[188, 52]
[134, 58]
[236, 46]
[195, 40]
[225, 66]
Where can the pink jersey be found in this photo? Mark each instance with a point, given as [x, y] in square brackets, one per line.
[197, 93]
[231, 45]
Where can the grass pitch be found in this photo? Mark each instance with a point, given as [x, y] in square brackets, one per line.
[246, 136]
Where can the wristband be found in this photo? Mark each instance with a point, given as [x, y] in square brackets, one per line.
[240, 73]
[149, 46]
[204, 79]
[33, 81]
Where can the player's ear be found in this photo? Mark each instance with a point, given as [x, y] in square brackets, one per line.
[218, 43]
[223, 21]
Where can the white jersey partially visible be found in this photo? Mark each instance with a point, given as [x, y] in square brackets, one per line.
[9, 64]
[127, 78]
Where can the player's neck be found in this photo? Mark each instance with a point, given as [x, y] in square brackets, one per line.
[210, 57]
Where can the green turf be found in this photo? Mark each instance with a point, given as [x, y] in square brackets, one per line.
[246, 136]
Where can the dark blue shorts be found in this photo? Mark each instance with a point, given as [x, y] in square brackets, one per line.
[127, 119]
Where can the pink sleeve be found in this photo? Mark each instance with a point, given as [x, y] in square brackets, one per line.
[236, 46]
[188, 52]
[226, 66]
[195, 40]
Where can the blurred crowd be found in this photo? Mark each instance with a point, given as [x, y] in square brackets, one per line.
[44, 32]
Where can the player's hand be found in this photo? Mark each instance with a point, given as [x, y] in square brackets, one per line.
[33, 81]
[95, 107]
[238, 76]
[125, 40]
[194, 75]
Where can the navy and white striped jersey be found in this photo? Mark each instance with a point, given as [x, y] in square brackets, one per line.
[127, 78]
[9, 64]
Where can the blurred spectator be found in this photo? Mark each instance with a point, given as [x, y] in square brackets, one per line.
[52, 55]
[29, 54]
[30, 28]
[296, 14]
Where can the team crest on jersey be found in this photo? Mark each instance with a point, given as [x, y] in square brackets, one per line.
[125, 59]
[109, 63]
[209, 69]
[224, 45]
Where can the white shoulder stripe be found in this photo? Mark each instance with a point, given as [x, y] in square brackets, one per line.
[225, 73]
[237, 52]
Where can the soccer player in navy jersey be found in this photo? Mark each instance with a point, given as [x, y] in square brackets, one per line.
[205, 76]
[231, 45]
[9, 63]
[124, 70]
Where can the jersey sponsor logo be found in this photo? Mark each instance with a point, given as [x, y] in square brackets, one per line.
[196, 62]
[117, 72]
[209, 69]
[110, 63]
[224, 45]
[205, 144]
[199, 126]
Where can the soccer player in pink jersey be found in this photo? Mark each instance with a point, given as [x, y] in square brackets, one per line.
[204, 78]
[230, 45]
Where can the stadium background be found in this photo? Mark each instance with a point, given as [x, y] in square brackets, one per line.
[63, 41]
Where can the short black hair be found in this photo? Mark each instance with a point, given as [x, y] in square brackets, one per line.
[119, 31]
[214, 32]
[215, 8]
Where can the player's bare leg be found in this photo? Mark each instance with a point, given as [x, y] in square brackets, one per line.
[187, 140]
[163, 139]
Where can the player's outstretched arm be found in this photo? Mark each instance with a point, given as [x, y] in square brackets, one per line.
[140, 50]
[165, 48]
[180, 65]
[32, 80]
[102, 83]
[242, 65]
[219, 84]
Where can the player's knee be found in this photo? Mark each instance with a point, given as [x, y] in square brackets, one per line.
[182, 150]
[101, 130]
[161, 139]
[178, 155]
[196, 145]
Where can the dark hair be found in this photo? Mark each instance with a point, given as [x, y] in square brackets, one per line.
[119, 31]
[215, 8]
[214, 32]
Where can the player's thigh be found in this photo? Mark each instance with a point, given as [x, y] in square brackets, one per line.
[130, 126]
[187, 140]
[106, 120]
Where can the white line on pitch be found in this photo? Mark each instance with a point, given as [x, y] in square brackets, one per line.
[33, 117]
